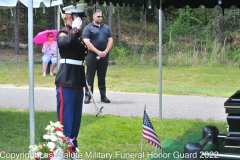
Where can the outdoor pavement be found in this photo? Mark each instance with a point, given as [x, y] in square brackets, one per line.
[123, 104]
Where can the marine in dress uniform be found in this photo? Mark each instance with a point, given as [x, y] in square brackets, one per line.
[70, 79]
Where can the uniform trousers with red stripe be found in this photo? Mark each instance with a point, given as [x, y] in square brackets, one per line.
[69, 110]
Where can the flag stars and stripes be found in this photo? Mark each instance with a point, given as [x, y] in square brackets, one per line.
[149, 133]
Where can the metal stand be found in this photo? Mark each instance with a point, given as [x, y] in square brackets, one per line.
[194, 149]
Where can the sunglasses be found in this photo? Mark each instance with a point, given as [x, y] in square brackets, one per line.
[50, 36]
[99, 16]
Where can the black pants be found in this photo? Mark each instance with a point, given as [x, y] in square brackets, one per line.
[99, 66]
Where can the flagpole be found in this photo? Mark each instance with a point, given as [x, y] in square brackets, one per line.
[142, 137]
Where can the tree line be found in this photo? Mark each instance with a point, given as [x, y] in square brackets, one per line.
[14, 24]
[202, 28]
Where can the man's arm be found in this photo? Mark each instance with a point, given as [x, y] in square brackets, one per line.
[92, 48]
[109, 45]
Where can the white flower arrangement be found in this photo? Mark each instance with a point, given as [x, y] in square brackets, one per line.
[56, 145]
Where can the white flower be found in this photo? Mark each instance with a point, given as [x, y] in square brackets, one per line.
[52, 129]
[48, 127]
[51, 123]
[51, 145]
[58, 124]
[33, 148]
[53, 138]
[46, 136]
[59, 133]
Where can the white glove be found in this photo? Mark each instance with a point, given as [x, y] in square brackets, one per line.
[77, 23]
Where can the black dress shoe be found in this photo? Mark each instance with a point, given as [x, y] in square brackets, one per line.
[87, 100]
[105, 100]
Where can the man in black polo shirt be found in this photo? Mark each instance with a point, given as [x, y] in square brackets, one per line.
[98, 38]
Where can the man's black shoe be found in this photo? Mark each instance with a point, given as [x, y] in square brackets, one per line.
[105, 100]
[87, 100]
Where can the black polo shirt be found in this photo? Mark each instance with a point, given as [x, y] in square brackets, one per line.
[98, 35]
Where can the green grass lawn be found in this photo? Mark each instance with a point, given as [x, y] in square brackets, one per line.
[198, 80]
[104, 134]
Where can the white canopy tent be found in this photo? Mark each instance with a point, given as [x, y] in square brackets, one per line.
[8, 4]
[35, 3]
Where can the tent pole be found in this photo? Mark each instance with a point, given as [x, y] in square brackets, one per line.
[160, 60]
[31, 75]
[58, 28]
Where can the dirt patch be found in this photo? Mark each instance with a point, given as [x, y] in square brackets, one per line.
[8, 54]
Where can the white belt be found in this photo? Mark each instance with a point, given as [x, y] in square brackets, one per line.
[71, 61]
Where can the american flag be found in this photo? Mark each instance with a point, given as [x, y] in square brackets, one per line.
[148, 132]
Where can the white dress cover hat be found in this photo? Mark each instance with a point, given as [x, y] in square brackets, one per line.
[72, 9]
